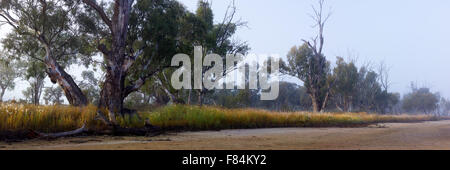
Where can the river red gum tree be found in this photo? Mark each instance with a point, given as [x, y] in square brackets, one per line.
[117, 60]
[120, 57]
[49, 23]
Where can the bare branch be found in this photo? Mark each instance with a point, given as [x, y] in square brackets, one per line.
[320, 20]
[383, 75]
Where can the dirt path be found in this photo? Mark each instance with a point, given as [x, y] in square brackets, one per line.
[428, 135]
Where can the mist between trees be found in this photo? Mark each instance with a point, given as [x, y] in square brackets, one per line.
[137, 40]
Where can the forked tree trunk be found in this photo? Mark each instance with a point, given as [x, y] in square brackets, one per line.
[57, 75]
[117, 59]
[111, 95]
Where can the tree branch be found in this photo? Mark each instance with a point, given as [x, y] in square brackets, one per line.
[100, 11]
[141, 81]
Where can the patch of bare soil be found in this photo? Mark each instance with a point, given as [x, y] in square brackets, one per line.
[403, 136]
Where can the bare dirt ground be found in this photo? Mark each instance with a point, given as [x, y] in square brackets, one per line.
[411, 136]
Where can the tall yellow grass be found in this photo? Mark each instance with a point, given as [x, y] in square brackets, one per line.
[213, 118]
[45, 118]
[180, 117]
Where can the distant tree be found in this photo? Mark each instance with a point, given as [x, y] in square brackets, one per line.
[386, 101]
[160, 88]
[383, 76]
[309, 64]
[214, 38]
[8, 73]
[35, 77]
[33, 93]
[53, 95]
[228, 98]
[420, 100]
[134, 100]
[444, 107]
[345, 84]
[90, 86]
[368, 89]
[289, 98]
[314, 71]
[159, 91]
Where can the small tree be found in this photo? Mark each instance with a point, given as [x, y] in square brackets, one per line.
[90, 86]
[313, 71]
[346, 81]
[53, 95]
[35, 77]
[309, 64]
[8, 73]
[215, 38]
[420, 100]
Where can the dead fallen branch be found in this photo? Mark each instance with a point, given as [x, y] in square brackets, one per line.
[57, 135]
[148, 130]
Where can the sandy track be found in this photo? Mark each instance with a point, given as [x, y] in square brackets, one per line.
[428, 135]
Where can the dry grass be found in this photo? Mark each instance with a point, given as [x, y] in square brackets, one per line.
[46, 118]
[213, 118]
[180, 117]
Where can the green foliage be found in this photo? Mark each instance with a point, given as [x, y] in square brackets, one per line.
[8, 73]
[181, 30]
[134, 100]
[313, 70]
[155, 28]
[38, 26]
[421, 100]
[345, 83]
[90, 86]
[53, 95]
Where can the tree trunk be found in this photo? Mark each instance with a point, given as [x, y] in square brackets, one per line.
[200, 98]
[2, 94]
[113, 92]
[111, 96]
[339, 107]
[57, 75]
[172, 98]
[325, 101]
[36, 92]
[314, 104]
[189, 97]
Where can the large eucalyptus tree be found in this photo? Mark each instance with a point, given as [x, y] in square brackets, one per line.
[45, 31]
[137, 40]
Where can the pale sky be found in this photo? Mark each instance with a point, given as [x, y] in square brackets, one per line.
[409, 35]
